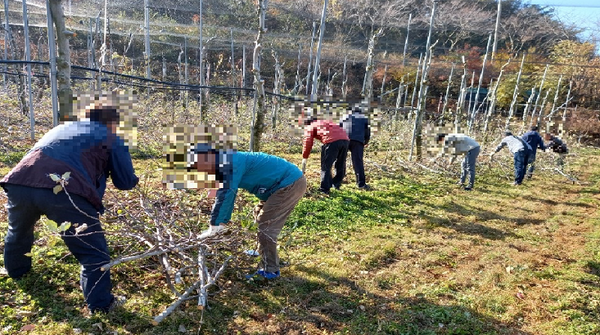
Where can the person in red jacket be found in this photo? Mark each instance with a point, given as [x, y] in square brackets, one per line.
[334, 150]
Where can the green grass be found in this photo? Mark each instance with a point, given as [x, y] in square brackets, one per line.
[415, 255]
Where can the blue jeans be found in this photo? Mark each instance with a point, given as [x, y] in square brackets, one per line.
[521, 158]
[25, 205]
[531, 165]
[468, 166]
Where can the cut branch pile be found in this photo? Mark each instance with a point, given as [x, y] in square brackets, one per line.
[163, 226]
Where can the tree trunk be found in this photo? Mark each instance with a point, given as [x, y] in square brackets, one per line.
[511, 111]
[315, 82]
[63, 62]
[492, 106]
[447, 95]
[368, 87]
[422, 101]
[258, 125]
[461, 98]
[473, 113]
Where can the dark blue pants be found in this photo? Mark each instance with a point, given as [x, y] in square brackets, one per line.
[25, 206]
[357, 151]
[520, 158]
[334, 152]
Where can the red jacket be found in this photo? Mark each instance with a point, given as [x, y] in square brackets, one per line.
[323, 130]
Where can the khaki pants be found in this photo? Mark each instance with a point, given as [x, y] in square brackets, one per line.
[270, 215]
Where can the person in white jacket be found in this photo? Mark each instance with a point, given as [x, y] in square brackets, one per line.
[461, 144]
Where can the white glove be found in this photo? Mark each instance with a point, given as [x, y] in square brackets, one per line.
[304, 165]
[211, 231]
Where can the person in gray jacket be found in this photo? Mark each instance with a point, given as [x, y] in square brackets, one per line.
[459, 144]
[520, 150]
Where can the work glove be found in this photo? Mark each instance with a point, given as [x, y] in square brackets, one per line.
[304, 165]
[211, 231]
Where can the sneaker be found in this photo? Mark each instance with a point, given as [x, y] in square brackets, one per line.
[365, 187]
[116, 302]
[262, 274]
[337, 187]
[324, 192]
[468, 188]
[252, 253]
[516, 184]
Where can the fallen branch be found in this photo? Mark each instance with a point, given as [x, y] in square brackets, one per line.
[572, 179]
[175, 304]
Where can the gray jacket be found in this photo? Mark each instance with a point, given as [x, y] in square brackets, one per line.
[514, 143]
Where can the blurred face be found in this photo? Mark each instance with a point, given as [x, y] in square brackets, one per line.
[112, 127]
[207, 162]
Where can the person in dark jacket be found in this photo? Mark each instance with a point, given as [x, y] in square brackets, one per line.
[90, 151]
[557, 146]
[356, 125]
[535, 141]
[334, 150]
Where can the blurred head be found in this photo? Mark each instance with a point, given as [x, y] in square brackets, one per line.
[206, 162]
[508, 133]
[106, 115]
[440, 137]
[533, 128]
[205, 158]
[308, 120]
[547, 136]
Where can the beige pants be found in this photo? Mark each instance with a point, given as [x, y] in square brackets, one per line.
[270, 215]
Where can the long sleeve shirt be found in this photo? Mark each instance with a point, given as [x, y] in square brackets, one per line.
[514, 144]
[457, 144]
[534, 140]
[323, 130]
[256, 172]
[86, 149]
[356, 125]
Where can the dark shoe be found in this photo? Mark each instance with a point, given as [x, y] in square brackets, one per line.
[365, 187]
[529, 176]
[262, 274]
[337, 187]
[468, 188]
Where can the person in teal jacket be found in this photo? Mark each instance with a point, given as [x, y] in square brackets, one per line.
[278, 184]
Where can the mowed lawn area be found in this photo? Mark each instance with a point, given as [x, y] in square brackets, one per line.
[416, 255]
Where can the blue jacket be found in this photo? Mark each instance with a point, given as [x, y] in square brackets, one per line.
[85, 148]
[256, 172]
[357, 127]
[534, 140]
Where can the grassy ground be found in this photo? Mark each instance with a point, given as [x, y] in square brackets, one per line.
[416, 255]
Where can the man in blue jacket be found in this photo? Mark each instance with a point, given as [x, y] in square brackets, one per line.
[278, 184]
[356, 125]
[535, 141]
[90, 151]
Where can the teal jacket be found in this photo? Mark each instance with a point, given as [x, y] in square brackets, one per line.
[255, 172]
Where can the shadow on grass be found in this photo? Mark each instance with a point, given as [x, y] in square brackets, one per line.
[332, 304]
[477, 226]
[56, 297]
[554, 203]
